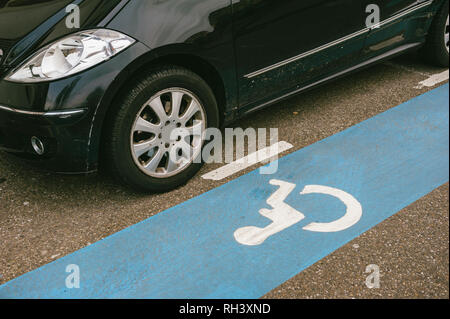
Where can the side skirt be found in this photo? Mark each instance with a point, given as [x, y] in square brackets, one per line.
[335, 76]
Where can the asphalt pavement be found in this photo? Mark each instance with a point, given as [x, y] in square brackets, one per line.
[44, 216]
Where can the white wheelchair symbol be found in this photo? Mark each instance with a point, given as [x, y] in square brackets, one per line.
[284, 216]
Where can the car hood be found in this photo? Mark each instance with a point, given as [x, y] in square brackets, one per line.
[20, 17]
[26, 25]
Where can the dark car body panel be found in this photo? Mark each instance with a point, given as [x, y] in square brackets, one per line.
[266, 26]
[254, 51]
[296, 75]
[33, 13]
[203, 29]
[406, 29]
[47, 23]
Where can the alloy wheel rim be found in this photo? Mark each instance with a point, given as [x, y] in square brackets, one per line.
[157, 150]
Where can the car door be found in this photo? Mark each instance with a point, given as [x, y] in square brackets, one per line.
[284, 44]
[396, 26]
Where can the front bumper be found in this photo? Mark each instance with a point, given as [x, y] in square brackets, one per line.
[61, 133]
[66, 114]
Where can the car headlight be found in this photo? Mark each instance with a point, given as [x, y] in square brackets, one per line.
[71, 55]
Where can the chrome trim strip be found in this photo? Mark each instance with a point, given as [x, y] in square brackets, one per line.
[46, 114]
[304, 55]
[336, 75]
[422, 4]
[338, 41]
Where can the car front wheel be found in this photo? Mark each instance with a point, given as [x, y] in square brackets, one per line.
[155, 136]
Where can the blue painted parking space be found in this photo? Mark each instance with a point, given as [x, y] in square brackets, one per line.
[248, 236]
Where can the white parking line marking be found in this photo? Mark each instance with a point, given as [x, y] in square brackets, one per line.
[433, 80]
[264, 154]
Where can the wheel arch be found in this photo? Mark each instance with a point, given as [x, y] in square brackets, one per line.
[145, 63]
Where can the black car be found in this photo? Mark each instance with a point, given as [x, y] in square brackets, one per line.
[89, 83]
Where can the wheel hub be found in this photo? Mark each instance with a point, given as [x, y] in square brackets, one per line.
[154, 148]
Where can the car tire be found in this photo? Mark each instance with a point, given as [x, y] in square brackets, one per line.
[171, 88]
[436, 50]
